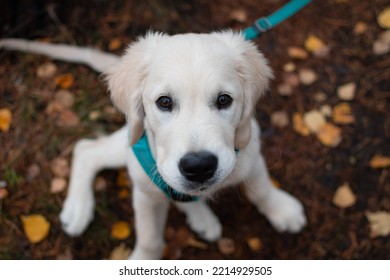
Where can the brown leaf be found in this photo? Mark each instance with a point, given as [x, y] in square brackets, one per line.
[3, 193]
[120, 230]
[381, 46]
[114, 44]
[68, 118]
[380, 161]
[57, 185]
[33, 172]
[46, 70]
[36, 227]
[307, 76]
[5, 119]
[379, 223]
[65, 98]
[60, 167]
[124, 193]
[254, 244]
[123, 179]
[226, 246]
[239, 15]
[344, 196]
[360, 28]
[279, 119]
[120, 252]
[289, 67]
[346, 92]
[342, 114]
[285, 89]
[297, 53]
[313, 120]
[100, 184]
[329, 135]
[64, 81]
[298, 124]
[384, 18]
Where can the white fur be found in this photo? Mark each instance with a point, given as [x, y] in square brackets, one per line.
[192, 69]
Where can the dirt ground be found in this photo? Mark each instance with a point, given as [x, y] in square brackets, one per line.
[302, 165]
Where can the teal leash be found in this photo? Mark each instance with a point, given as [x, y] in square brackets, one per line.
[264, 24]
[142, 150]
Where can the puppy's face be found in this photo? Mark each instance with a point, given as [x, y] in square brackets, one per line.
[195, 95]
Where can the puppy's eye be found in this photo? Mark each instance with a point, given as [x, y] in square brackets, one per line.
[224, 101]
[164, 103]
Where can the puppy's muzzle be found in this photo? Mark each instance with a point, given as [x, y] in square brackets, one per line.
[198, 167]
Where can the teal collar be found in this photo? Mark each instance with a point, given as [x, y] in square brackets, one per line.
[142, 152]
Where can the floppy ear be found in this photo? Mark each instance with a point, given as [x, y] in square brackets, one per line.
[254, 73]
[126, 81]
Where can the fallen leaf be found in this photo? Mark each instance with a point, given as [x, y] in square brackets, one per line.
[275, 183]
[239, 15]
[254, 244]
[3, 193]
[360, 28]
[279, 119]
[33, 172]
[298, 124]
[120, 230]
[313, 120]
[60, 167]
[344, 196]
[94, 115]
[46, 70]
[121, 252]
[114, 44]
[285, 89]
[297, 53]
[123, 179]
[65, 98]
[326, 110]
[100, 184]
[5, 119]
[124, 194]
[289, 67]
[342, 114]
[380, 161]
[291, 79]
[67, 118]
[384, 18]
[192, 242]
[346, 92]
[57, 185]
[307, 76]
[64, 81]
[36, 227]
[379, 223]
[382, 44]
[226, 246]
[313, 44]
[320, 96]
[329, 135]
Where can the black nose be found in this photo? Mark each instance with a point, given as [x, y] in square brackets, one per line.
[198, 166]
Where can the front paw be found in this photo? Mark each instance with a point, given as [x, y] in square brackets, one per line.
[77, 213]
[285, 212]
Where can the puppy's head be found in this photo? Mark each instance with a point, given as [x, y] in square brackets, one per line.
[195, 95]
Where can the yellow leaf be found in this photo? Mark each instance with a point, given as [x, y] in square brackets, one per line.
[123, 193]
[254, 244]
[379, 223]
[5, 119]
[344, 196]
[313, 44]
[275, 183]
[299, 125]
[329, 135]
[64, 81]
[114, 44]
[384, 18]
[379, 161]
[297, 53]
[120, 252]
[120, 230]
[122, 180]
[342, 114]
[36, 227]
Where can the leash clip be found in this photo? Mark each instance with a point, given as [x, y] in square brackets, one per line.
[262, 25]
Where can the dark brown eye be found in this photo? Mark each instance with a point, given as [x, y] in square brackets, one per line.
[224, 101]
[164, 103]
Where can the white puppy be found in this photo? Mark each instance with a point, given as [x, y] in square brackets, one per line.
[193, 95]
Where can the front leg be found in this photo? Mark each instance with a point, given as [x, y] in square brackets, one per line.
[284, 211]
[150, 216]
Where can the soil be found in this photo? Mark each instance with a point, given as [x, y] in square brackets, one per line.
[302, 165]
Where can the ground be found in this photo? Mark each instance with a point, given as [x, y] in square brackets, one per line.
[302, 165]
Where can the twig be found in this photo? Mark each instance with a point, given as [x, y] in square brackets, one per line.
[50, 11]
